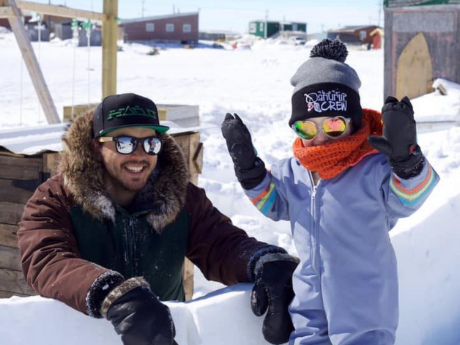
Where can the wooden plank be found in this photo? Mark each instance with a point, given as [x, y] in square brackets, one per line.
[10, 213]
[50, 163]
[6, 12]
[33, 67]
[14, 281]
[16, 168]
[18, 191]
[8, 294]
[109, 48]
[8, 236]
[59, 11]
[10, 258]
[183, 141]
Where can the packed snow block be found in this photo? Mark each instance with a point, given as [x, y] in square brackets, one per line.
[223, 317]
[428, 275]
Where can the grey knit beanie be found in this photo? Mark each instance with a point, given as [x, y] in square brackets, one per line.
[325, 85]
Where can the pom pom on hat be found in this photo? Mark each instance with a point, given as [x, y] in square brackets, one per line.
[330, 49]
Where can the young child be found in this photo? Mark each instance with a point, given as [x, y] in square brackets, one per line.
[349, 182]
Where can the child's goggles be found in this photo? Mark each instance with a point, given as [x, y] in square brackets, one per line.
[126, 145]
[333, 127]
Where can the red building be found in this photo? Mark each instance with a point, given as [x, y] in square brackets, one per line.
[353, 34]
[179, 27]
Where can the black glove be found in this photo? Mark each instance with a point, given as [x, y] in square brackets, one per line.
[273, 291]
[250, 169]
[142, 319]
[399, 140]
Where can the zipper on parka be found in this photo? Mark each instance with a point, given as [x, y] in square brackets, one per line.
[315, 233]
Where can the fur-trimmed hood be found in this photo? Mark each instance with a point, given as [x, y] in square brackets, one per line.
[83, 173]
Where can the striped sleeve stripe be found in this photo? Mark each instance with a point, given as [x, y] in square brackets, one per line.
[414, 196]
[265, 200]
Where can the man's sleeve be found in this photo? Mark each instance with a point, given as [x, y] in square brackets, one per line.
[50, 258]
[222, 251]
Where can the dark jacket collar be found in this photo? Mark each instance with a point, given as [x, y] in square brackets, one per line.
[83, 174]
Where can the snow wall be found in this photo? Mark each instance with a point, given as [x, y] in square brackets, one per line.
[429, 301]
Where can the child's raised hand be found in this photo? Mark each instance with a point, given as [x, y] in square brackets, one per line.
[399, 140]
[249, 169]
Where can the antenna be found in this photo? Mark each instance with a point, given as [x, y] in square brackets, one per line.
[143, 8]
[380, 4]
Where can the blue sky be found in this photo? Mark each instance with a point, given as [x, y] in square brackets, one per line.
[235, 14]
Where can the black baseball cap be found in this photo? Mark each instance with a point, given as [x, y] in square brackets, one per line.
[125, 110]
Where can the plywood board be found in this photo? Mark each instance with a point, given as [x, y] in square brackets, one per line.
[20, 168]
[414, 75]
[10, 258]
[17, 191]
[8, 235]
[8, 294]
[14, 281]
[10, 212]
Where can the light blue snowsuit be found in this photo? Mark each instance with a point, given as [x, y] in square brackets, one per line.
[346, 285]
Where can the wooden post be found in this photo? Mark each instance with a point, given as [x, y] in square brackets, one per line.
[109, 48]
[32, 65]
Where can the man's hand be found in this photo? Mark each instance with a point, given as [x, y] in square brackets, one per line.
[399, 140]
[249, 169]
[273, 293]
[141, 319]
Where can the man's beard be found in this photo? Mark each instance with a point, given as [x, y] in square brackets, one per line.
[120, 184]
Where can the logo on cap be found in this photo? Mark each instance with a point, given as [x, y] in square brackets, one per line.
[129, 111]
[326, 101]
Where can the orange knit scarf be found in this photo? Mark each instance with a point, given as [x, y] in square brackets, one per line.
[330, 159]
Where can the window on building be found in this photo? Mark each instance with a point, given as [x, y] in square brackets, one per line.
[294, 27]
[252, 28]
[169, 27]
[187, 28]
[362, 35]
[149, 27]
[261, 26]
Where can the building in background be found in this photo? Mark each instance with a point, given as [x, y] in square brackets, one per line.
[421, 44]
[177, 28]
[357, 34]
[401, 3]
[271, 29]
[218, 35]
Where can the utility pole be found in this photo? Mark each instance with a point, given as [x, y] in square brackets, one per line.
[266, 26]
[380, 4]
[143, 8]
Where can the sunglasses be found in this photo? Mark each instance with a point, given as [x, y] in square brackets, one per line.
[126, 145]
[333, 127]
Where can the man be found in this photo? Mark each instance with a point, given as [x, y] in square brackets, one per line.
[108, 235]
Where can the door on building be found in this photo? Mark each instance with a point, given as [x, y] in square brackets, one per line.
[414, 76]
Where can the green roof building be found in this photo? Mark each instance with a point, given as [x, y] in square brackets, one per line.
[266, 29]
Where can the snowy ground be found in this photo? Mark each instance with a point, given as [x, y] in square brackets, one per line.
[255, 84]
